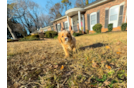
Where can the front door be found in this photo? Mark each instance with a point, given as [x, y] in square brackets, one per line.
[93, 20]
[113, 15]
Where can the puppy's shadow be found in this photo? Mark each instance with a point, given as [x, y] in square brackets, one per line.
[93, 46]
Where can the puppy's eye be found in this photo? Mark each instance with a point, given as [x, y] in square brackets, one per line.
[62, 36]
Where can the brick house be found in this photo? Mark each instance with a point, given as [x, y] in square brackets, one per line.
[99, 11]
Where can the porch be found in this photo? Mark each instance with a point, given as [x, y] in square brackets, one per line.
[77, 21]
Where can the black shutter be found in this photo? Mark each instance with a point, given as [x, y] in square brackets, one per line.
[56, 27]
[63, 25]
[120, 15]
[88, 21]
[106, 17]
[98, 17]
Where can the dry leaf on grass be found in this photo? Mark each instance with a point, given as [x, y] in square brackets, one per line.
[55, 66]
[107, 66]
[118, 52]
[106, 83]
[15, 85]
[111, 63]
[119, 49]
[118, 43]
[94, 65]
[61, 67]
[107, 47]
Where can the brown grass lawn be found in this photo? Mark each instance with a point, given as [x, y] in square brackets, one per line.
[101, 62]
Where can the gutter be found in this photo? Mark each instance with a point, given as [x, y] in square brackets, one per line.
[58, 18]
[95, 4]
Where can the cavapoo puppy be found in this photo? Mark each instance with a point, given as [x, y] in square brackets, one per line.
[67, 41]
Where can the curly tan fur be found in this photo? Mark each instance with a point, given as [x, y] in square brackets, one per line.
[67, 41]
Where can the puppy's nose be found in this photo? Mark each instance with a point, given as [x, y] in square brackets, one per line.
[66, 39]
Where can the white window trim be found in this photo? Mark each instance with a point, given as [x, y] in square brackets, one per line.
[123, 3]
[66, 21]
[58, 24]
[90, 18]
[117, 16]
[106, 8]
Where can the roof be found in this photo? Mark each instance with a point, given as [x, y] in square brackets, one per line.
[93, 3]
[36, 31]
[97, 2]
[59, 18]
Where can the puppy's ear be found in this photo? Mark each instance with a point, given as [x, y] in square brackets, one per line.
[71, 32]
[70, 35]
[59, 37]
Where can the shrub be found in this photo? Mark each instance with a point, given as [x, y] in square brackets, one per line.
[80, 32]
[97, 28]
[87, 31]
[35, 35]
[41, 35]
[76, 34]
[110, 27]
[30, 38]
[123, 26]
[51, 34]
[56, 37]
[9, 40]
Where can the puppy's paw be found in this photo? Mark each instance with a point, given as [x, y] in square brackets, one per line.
[66, 57]
[74, 51]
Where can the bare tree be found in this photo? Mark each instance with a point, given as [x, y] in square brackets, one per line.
[66, 4]
[80, 3]
[28, 14]
[45, 20]
[55, 10]
[10, 14]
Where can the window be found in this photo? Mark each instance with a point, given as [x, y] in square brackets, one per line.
[114, 14]
[66, 24]
[93, 19]
[58, 27]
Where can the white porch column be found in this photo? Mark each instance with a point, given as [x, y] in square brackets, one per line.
[83, 21]
[79, 17]
[68, 22]
[72, 22]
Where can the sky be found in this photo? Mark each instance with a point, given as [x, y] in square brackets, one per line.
[42, 3]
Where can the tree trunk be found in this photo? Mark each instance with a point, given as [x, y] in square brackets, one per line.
[11, 32]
